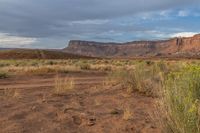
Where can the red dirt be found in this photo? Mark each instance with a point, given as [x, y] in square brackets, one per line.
[38, 54]
[89, 108]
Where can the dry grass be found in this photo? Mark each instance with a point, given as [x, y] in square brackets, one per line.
[128, 114]
[85, 66]
[175, 83]
[61, 66]
[62, 86]
[3, 75]
[143, 78]
[179, 107]
[10, 93]
[102, 67]
[40, 70]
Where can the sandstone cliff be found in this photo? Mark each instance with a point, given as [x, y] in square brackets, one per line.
[175, 47]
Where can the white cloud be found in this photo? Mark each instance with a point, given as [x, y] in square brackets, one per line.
[183, 13]
[165, 13]
[7, 40]
[95, 21]
[183, 34]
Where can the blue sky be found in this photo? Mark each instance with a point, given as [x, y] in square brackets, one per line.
[52, 23]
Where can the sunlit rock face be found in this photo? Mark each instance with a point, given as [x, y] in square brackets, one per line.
[175, 47]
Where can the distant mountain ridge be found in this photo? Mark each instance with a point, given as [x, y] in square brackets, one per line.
[185, 47]
[5, 48]
[175, 47]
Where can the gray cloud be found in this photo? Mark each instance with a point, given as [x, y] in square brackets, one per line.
[76, 18]
[42, 17]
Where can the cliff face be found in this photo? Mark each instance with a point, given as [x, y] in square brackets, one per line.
[176, 47]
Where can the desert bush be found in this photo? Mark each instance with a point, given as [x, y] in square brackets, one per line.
[144, 78]
[56, 62]
[101, 67]
[106, 68]
[148, 78]
[3, 75]
[85, 66]
[125, 78]
[62, 86]
[40, 70]
[128, 114]
[180, 104]
[148, 62]
[4, 64]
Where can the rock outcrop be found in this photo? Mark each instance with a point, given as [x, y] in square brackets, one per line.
[175, 47]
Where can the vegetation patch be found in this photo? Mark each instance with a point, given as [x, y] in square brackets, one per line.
[63, 85]
[85, 66]
[128, 114]
[144, 78]
[3, 75]
[180, 104]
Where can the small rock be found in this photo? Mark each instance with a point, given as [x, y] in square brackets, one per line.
[115, 112]
[33, 108]
[44, 100]
[91, 122]
[67, 109]
[152, 126]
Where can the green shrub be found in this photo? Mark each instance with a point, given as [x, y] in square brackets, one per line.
[50, 62]
[3, 75]
[4, 64]
[148, 78]
[180, 102]
[148, 62]
[85, 66]
[144, 78]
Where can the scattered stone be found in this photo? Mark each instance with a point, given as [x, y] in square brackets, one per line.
[115, 112]
[152, 126]
[66, 109]
[33, 108]
[91, 122]
[44, 100]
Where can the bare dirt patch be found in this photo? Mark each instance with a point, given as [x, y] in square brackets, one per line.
[89, 108]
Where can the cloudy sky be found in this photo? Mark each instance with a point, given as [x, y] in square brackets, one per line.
[52, 23]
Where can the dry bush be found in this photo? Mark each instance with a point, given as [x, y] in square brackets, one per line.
[35, 70]
[144, 78]
[85, 66]
[179, 107]
[62, 86]
[40, 70]
[128, 114]
[62, 66]
[102, 67]
[3, 75]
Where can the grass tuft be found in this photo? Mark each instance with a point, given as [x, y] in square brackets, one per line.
[128, 114]
[85, 66]
[62, 86]
[143, 78]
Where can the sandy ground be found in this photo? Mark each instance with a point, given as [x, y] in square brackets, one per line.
[89, 108]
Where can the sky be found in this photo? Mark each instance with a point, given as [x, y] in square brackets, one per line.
[52, 23]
